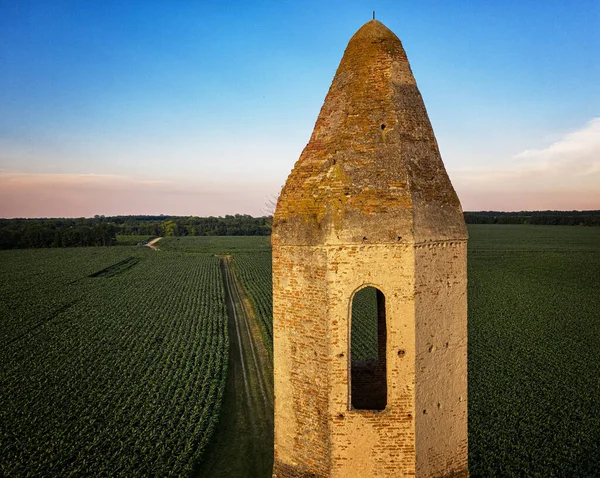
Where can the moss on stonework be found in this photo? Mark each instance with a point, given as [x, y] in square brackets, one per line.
[372, 154]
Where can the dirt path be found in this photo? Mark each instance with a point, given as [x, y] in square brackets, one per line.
[152, 242]
[243, 442]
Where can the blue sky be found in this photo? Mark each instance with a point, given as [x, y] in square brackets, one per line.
[202, 107]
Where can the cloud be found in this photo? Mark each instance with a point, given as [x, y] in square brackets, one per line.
[77, 195]
[564, 175]
[16, 180]
[578, 152]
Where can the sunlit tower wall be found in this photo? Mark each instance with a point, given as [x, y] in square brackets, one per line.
[369, 204]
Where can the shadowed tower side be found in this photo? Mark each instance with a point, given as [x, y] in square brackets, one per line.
[369, 206]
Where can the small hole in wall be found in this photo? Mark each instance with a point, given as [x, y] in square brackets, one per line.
[401, 353]
[399, 238]
[340, 355]
[341, 416]
[424, 412]
[446, 344]
[382, 127]
[333, 161]
[364, 238]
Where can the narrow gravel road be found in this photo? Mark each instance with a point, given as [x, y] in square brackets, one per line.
[152, 242]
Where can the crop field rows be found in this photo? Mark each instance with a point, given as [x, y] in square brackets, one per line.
[534, 351]
[132, 240]
[254, 271]
[36, 283]
[364, 344]
[122, 374]
[220, 245]
[127, 379]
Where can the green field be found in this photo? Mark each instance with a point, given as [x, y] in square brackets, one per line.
[222, 245]
[112, 361]
[534, 351]
[111, 358]
[364, 344]
[251, 257]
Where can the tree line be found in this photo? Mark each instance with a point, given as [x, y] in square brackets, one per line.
[548, 218]
[165, 226]
[102, 231]
[26, 233]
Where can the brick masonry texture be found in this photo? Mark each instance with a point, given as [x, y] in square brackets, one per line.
[369, 203]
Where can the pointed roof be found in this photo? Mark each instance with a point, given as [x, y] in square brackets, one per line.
[372, 171]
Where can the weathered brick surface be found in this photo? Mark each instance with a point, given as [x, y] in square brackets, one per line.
[366, 443]
[352, 169]
[301, 354]
[441, 357]
[369, 203]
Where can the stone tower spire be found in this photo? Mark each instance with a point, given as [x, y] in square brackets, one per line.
[369, 206]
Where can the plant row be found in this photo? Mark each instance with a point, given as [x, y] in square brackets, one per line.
[254, 272]
[126, 381]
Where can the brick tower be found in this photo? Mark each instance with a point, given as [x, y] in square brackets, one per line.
[369, 206]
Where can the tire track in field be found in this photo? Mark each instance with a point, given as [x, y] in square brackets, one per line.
[243, 442]
[232, 302]
[43, 322]
[253, 337]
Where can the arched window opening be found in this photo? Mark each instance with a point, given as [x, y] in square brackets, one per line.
[368, 372]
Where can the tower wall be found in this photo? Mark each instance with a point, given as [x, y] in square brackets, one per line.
[316, 431]
[441, 358]
[301, 355]
[373, 443]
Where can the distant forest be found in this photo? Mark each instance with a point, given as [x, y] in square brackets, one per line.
[547, 218]
[102, 231]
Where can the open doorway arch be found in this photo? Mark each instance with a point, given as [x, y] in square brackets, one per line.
[368, 338]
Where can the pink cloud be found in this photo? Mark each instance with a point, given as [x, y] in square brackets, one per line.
[565, 175]
[77, 195]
